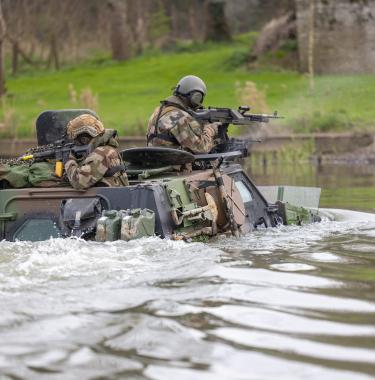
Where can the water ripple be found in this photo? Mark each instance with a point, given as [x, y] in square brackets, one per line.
[286, 303]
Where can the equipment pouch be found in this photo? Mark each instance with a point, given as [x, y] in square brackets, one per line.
[78, 217]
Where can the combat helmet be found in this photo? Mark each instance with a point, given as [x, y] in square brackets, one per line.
[193, 88]
[85, 123]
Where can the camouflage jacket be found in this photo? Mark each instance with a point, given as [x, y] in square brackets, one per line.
[92, 171]
[176, 128]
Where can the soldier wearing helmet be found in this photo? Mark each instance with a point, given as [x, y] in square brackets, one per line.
[103, 166]
[172, 125]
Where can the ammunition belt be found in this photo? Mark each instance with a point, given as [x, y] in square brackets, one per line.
[13, 161]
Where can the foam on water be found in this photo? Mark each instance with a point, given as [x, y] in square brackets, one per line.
[31, 264]
[293, 301]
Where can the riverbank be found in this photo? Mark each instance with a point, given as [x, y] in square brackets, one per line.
[124, 94]
[321, 147]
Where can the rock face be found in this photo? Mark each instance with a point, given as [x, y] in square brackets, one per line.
[274, 34]
[344, 35]
[244, 15]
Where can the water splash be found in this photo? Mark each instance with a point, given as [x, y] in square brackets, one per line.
[291, 302]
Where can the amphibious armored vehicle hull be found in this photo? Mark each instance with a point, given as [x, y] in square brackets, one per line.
[40, 213]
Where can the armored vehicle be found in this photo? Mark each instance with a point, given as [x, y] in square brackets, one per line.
[172, 194]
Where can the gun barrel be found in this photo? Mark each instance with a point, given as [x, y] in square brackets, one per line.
[242, 122]
[45, 154]
[232, 116]
[37, 155]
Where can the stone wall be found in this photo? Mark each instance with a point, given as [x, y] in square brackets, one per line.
[344, 35]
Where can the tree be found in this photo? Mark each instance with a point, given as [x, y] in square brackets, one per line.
[217, 28]
[194, 20]
[310, 52]
[160, 26]
[2, 39]
[119, 32]
[137, 13]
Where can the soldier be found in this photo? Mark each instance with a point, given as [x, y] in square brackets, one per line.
[103, 166]
[172, 125]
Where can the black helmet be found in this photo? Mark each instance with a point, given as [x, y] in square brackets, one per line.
[192, 88]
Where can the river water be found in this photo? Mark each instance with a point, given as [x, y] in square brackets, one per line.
[285, 303]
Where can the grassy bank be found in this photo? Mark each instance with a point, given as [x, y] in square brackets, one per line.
[124, 94]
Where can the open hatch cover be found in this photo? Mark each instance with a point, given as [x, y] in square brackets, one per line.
[51, 125]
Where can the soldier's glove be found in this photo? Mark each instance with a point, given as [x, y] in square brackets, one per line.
[211, 129]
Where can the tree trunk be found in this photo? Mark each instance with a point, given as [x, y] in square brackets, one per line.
[2, 39]
[217, 28]
[193, 21]
[55, 52]
[16, 47]
[119, 33]
[311, 44]
[140, 35]
[15, 58]
[174, 20]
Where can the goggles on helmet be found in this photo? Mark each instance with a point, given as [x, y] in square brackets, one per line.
[196, 98]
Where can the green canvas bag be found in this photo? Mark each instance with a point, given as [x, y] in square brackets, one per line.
[42, 174]
[15, 176]
[38, 174]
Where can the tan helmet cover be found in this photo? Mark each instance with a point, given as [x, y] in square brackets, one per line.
[85, 123]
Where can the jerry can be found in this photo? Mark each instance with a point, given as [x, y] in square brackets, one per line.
[137, 223]
[108, 226]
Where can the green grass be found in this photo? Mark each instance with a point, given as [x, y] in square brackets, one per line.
[128, 92]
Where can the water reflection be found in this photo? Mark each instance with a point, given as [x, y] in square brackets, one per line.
[304, 319]
[343, 186]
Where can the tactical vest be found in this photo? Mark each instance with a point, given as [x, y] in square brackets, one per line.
[116, 174]
[165, 107]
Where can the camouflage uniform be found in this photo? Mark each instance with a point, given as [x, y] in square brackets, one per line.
[93, 170]
[176, 128]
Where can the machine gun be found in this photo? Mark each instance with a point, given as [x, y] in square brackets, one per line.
[59, 151]
[227, 116]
